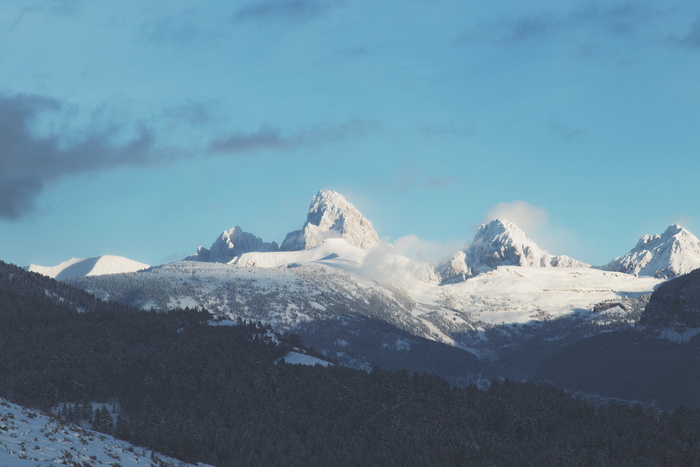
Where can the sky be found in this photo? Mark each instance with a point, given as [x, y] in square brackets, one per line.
[145, 129]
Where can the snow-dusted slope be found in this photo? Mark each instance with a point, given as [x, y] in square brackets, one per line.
[97, 266]
[332, 251]
[500, 243]
[671, 254]
[32, 439]
[331, 216]
[291, 290]
[230, 244]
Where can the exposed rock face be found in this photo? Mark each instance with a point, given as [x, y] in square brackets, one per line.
[502, 243]
[675, 303]
[232, 243]
[671, 254]
[454, 270]
[332, 216]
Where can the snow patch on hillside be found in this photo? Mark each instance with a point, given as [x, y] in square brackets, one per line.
[31, 438]
[83, 267]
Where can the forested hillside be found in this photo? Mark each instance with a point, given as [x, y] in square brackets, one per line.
[217, 394]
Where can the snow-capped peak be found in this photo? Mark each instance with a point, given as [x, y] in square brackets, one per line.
[230, 244]
[331, 215]
[96, 266]
[500, 243]
[671, 254]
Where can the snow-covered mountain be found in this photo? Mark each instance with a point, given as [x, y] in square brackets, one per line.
[231, 244]
[500, 243]
[331, 216]
[31, 438]
[671, 254]
[96, 266]
[324, 289]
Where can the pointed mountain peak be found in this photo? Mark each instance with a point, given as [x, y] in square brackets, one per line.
[674, 230]
[230, 244]
[500, 230]
[673, 253]
[502, 243]
[331, 216]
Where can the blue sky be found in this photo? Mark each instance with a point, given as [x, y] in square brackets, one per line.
[144, 129]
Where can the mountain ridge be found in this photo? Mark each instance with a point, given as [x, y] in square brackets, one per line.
[671, 254]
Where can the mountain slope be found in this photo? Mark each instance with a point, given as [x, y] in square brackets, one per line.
[330, 216]
[671, 254]
[96, 266]
[28, 438]
[656, 362]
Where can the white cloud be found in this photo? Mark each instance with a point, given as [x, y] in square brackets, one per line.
[426, 251]
[384, 264]
[536, 223]
[523, 214]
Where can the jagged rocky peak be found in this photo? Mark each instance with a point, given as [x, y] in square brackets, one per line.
[502, 243]
[332, 216]
[499, 243]
[230, 244]
[671, 254]
[454, 269]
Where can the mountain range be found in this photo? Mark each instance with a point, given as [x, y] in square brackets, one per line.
[496, 243]
[501, 301]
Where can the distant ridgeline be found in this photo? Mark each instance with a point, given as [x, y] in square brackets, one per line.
[219, 394]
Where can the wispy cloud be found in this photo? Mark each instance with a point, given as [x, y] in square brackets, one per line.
[622, 19]
[565, 131]
[195, 113]
[536, 223]
[38, 145]
[29, 160]
[275, 138]
[691, 39]
[523, 214]
[177, 28]
[281, 9]
[408, 177]
[449, 129]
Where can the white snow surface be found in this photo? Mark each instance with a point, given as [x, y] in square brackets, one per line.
[296, 358]
[671, 254]
[82, 267]
[335, 252]
[332, 216]
[288, 289]
[31, 438]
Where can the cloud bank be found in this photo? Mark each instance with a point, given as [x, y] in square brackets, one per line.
[29, 160]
